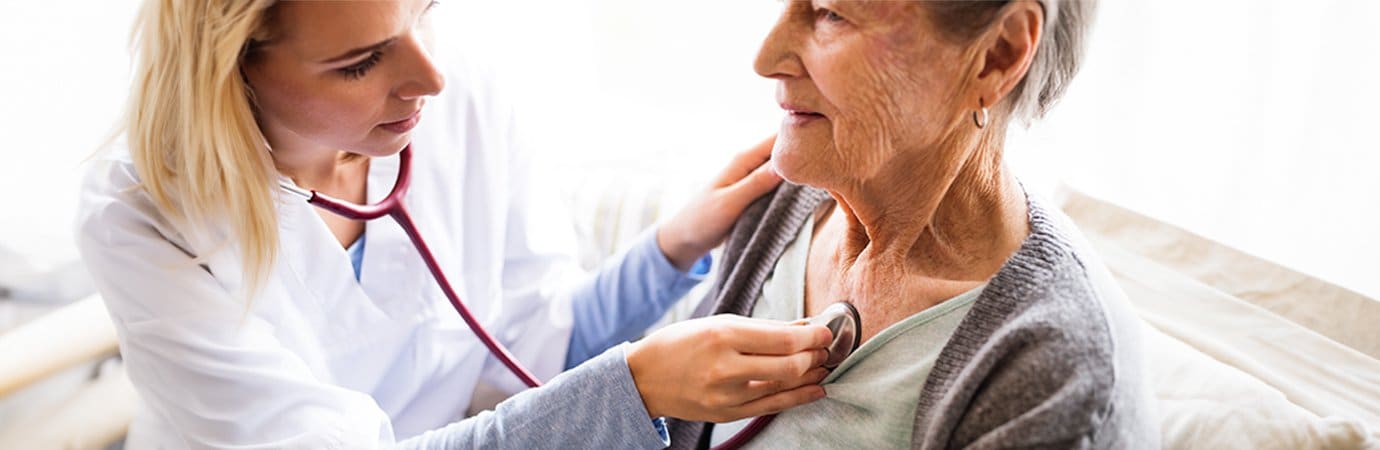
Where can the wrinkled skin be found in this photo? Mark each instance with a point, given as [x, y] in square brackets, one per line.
[879, 113]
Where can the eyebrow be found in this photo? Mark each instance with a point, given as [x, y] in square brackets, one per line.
[352, 54]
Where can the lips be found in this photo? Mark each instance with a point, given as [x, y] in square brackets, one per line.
[799, 116]
[797, 110]
[404, 125]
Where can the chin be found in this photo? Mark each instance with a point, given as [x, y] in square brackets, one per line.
[383, 149]
[398, 148]
[802, 161]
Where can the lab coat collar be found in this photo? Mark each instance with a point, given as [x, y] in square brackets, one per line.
[392, 272]
[388, 289]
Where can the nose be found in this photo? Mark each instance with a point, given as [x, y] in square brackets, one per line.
[778, 57]
[421, 77]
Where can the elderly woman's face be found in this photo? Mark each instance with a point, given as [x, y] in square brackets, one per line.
[861, 82]
[343, 76]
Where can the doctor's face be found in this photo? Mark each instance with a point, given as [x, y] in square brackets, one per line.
[342, 76]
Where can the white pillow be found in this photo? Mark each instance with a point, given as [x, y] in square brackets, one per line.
[1205, 404]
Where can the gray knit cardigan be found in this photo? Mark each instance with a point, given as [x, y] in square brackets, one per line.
[1044, 359]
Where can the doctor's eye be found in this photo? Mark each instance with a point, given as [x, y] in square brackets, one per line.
[357, 70]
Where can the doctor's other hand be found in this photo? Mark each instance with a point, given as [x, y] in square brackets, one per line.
[705, 221]
[724, 368]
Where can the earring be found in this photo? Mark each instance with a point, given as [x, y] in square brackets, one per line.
[980, 123]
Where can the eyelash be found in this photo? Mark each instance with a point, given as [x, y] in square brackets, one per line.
[357, 70]
[828, 15]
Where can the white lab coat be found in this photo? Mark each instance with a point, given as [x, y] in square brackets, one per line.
[321, 360]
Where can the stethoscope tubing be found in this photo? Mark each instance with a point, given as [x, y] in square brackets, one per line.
[749, 432]
[392, 206]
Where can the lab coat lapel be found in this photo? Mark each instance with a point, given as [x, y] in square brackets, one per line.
[351, 313]
[392, 274]
[314, 258]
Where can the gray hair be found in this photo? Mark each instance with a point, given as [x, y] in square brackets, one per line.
[1056, 60]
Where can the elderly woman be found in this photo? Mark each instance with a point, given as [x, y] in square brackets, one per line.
[985, 323]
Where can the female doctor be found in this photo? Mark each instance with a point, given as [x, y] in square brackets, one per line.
[249, 319]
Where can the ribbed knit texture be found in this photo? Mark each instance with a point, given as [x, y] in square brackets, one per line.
[1032, 365]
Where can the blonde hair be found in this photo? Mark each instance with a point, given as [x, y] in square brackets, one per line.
[191, 126]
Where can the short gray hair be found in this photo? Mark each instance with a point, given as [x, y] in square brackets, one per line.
[1057, 59]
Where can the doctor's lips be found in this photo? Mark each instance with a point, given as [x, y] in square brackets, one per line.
[404, 125]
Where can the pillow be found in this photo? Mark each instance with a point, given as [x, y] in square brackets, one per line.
[1231, 372]
[1205, 404]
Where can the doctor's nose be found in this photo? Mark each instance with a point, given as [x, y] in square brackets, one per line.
[421, 77]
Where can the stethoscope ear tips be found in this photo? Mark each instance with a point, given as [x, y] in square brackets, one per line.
[843, 320]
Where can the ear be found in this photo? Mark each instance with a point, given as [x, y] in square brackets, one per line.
[1009, 49]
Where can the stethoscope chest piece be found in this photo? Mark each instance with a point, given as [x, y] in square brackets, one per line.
[843, 320]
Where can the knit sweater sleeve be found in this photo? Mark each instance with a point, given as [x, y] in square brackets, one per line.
[1035, 363]
[1052, 390]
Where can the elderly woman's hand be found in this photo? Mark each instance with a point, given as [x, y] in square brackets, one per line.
[705, 222]
[723, 368]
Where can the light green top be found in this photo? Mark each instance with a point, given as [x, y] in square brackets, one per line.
[872, 395]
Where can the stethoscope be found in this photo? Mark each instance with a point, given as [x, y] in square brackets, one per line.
[392, 206]
[841, 318]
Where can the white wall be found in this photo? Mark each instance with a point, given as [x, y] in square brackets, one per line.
[63, 77]
[1251, 122]
[1246, 121]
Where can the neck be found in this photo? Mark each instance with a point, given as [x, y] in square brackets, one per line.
[941, 215]
[333, 173]
[318, 169]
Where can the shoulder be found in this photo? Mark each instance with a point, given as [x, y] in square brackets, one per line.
[1050, 285]
[117, 216]
[1044, 308]
[759, 236]
[775, 217]
[1057, 286]
[112, 199]
[1048, 343]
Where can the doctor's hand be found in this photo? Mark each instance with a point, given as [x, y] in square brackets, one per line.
[705, 222]
[724, 368]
